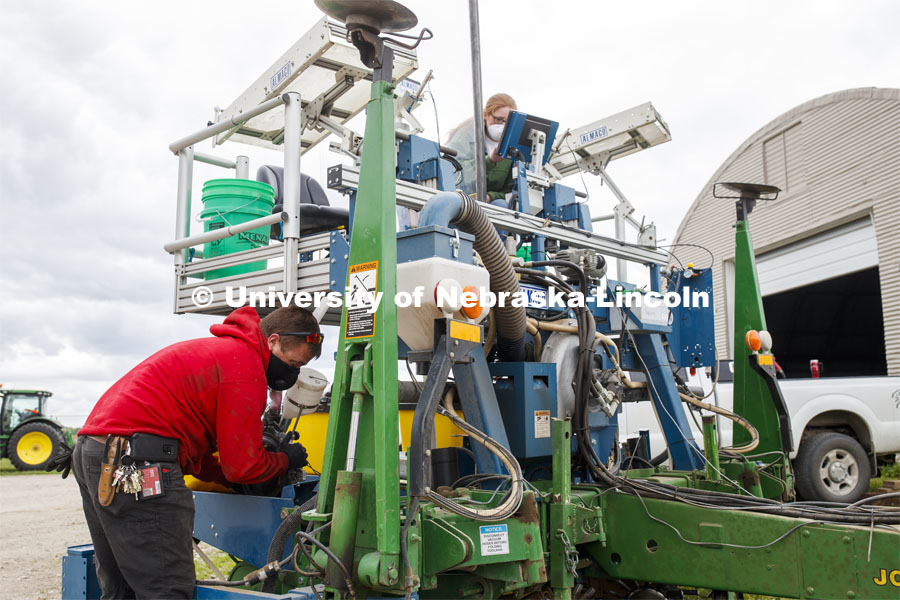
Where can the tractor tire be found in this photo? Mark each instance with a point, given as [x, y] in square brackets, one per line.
[832, 467]
[32, 445]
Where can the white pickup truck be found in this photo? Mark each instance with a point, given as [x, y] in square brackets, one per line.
[842, 428]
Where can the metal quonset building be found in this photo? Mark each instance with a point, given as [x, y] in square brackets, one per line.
[828, 249]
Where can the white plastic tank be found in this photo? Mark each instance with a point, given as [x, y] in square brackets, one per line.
[305, 395]
[415, 325]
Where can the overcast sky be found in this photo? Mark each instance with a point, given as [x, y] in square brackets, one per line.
[93, 92]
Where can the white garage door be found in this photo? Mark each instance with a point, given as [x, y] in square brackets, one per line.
[836, 252]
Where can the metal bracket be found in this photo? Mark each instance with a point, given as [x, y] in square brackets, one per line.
[538, 140]
[403, 110]
[345, 78]
[351, 142]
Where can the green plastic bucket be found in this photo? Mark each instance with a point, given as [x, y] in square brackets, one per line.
[231, 202]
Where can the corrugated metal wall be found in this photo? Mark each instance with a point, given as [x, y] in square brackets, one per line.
[838, 159]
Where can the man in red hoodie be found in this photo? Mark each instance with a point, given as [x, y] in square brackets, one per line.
[190, 400]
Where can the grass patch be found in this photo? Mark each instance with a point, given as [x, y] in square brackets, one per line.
[222, 561]
[887, 472]
[7, 468]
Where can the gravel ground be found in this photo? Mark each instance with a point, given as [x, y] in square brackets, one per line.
[40, 516]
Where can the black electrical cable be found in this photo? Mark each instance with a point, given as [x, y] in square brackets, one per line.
[537, 314]
[875, 498]
[331, 556]
[714, 499]
[712, 258]
[584, 363]
[318, 574]
[468, 453]
[464, 481]
[413, 376]
[457, 167]
[537, 468]
[708, 498]
[629, 462]
[660, 458]
[278, 543]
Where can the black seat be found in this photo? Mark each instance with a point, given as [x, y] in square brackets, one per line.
[316, 214]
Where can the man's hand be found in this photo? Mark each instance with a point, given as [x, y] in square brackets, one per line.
[61, 462]
[296, 454]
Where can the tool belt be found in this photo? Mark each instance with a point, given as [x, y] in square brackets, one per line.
[139, 447]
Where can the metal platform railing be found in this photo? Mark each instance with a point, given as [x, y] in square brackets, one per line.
[222, 295]
[323, 67]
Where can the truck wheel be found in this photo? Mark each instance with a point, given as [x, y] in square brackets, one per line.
[32, 445]
[832, 467]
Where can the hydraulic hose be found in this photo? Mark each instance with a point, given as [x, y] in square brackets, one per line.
[466, 214]
[279, 540]
[754, 434]
[552, 326]
[513, 499]
[536, 337]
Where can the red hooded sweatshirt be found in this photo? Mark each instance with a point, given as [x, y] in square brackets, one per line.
[210, 394]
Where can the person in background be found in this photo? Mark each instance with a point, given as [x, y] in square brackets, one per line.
[498, 170]
[167, 417]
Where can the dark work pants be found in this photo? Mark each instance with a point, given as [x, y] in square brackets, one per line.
[142, 549]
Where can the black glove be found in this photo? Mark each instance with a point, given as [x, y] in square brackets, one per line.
[61, 462]
[296, 454]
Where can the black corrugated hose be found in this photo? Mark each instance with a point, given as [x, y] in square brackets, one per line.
[510, 319]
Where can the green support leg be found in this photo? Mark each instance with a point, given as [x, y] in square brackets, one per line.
[711, 448]
[561, 536]
[751, 395]
[373, 257]
[752, 399]
[343, 528]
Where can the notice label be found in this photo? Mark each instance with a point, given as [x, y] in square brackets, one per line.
[541, 423]
[494, 540]
[361, 300]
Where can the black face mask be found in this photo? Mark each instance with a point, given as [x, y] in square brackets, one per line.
[280, 375]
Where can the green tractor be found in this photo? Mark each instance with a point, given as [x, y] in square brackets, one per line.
[27, 437]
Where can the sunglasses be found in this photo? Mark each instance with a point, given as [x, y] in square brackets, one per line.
[310, 337]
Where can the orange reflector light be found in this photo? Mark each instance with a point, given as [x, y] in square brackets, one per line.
[753, 340]
[471, 308]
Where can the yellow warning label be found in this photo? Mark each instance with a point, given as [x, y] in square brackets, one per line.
[765, 359]
[367, 266]
[465, 331]
[541, 424]
[362, 294]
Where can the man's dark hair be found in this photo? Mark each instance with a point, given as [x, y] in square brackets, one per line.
[289, 318]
